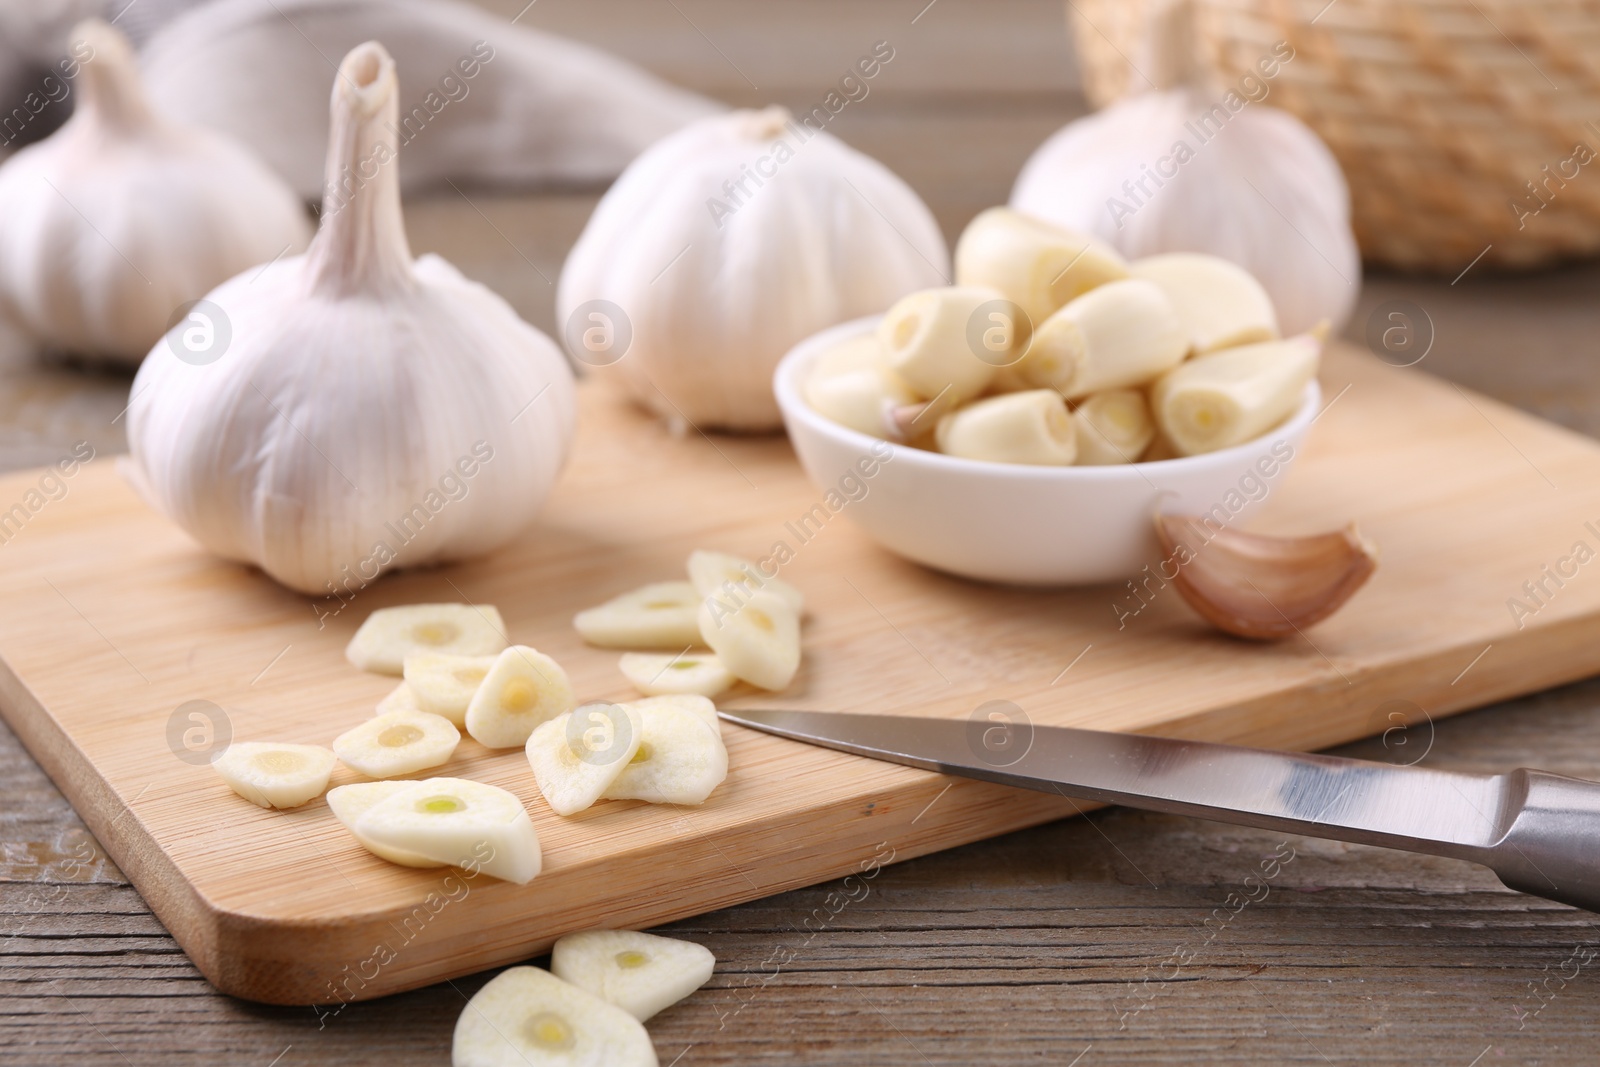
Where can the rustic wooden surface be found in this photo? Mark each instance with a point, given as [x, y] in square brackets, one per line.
[1050, 945]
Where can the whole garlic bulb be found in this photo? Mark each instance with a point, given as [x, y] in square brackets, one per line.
[370, 411]
[120, 217]
[725, 244]
[1190, 167]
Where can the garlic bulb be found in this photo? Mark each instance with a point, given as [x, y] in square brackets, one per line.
[1190, 167]
[371, 411]
[120, 217]
[727, 243]
[482, 100]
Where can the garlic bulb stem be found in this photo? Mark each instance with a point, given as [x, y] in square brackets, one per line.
[361, 246]
[113, 96]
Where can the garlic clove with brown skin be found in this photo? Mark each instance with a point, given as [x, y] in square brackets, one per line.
[1260, 587]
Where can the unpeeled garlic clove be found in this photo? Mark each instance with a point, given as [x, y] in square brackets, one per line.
[1260, 587]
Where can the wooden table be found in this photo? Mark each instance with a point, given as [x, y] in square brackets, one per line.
[1052, 946]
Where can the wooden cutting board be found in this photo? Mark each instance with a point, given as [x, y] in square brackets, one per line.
[111, 620]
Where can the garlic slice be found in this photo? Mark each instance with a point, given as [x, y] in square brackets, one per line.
[680, 759]
[1113, 427]
[275, 775]
[694, 705]
[1123, 333]
[389, 635]
[1260, 587]
[757, 639]
[444, 682]
[722, 572]
[458, 823]
[1236, 395]
[639, 973]
[525, 1017]
[662, 673]
[349, 802]
[1038, 265]
[576, 757]
[522, 689]
[400, 698]
[659, 615]
[1034, 427]
[1220, 304]
[397, 743]
[926, 345]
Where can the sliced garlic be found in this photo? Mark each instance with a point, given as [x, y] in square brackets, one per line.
[1123, 333]
[721, 572]
[1033, 427]
[694, 705]
[349, 802]
[397, 743]
[680, 759]
[758, 638]
[389, 635]
[1228, 397]
[444, 682]
[274, 775]
[661, 673]
[639, 973]
[525, 1017]
[1259, 587]
[1036, 264]
[1220, 304]
[400, 698]
[659, 615]
[576, 757]
[523, 688]
[458, 823]
[1113, 427]
[926, 344]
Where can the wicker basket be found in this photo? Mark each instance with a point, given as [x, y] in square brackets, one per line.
[1440, 111]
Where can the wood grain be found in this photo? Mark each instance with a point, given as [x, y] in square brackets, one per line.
[111, 620]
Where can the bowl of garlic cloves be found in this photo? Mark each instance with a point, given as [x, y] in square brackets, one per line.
[1027, 423]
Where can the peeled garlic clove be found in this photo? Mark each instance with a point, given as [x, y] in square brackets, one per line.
[275, 775]
[859, 398]
[659, 615]
[525, 1017]
[1264, 588]
[926, 344]
[458, 823]
[1123, 333]
[1033, 427]
[693, 704]
[522, 689]
[756, 637]
[680, 759]
[1236, 395]
[444, 682]
[123, 215]
[389, 635]
[400, 698]
[349, 802]
[1220, 304]
[661, 673]
[1113, 427]
[364, 411]
[721, 572]
[397, 743]
[576, 757]
[639, 973]
[1039, 265]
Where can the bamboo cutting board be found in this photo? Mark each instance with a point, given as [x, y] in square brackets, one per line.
[111, 621]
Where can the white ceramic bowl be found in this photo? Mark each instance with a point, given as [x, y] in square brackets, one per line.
[1013, 523]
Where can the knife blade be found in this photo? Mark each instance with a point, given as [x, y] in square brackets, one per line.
[1539, 832]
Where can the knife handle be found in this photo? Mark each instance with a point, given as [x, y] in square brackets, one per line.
[1551, 844]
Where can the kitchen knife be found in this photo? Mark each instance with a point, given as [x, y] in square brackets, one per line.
[1539, 832]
